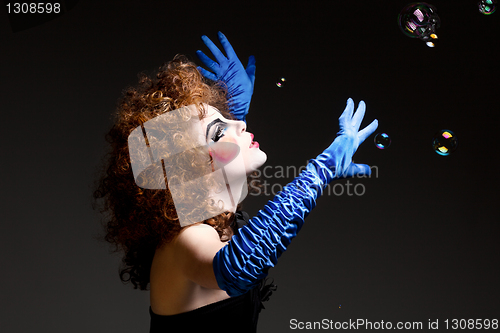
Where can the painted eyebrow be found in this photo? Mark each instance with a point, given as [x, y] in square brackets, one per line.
[213, 122]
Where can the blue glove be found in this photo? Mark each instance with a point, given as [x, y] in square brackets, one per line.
[256, 247]
[338, 156]
[230, 70]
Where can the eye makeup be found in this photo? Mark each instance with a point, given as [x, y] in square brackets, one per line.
[218, 133]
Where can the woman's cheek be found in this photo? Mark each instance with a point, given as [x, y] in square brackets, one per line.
[223, 152]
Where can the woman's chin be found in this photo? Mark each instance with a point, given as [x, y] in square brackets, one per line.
[257, 162]
[264, 158]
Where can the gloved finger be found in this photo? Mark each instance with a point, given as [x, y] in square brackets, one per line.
[367, 131]
[357, 170]
[346, 116]
[358, 116]
[227, 46]
[207, 61]
[251, 68]
[207, 74]
[214, 49]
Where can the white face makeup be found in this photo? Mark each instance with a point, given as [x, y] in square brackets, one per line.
[158, 146]
[219, 130]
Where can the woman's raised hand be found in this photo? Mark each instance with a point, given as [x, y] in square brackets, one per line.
[338, 156]
[230, 70]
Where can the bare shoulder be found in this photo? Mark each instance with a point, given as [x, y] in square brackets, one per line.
[198, 235]
[195, 248]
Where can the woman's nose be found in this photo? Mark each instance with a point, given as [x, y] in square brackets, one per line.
[242, 126]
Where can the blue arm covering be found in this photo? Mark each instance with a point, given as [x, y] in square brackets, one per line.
[256, 247]
[229, 70]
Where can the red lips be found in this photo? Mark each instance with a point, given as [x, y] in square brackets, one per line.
[253, 144]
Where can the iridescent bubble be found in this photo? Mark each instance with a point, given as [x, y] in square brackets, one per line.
[281, 82]
[430, 44]
[420, 20]
[382, 141]
[487, 7]
[444, 142]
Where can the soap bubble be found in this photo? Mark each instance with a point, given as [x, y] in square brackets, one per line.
[444, 142]
[382, 141]
[420, 20]
[281, 82]
[487, 7]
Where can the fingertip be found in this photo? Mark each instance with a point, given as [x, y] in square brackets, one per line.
[357, 170]
[205, 40]
[361, 105]
[201, 55]
[349, 106]
[363, 169]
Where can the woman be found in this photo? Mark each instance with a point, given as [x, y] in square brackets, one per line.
[177, 171]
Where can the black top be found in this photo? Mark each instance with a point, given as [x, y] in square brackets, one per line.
[236, 314]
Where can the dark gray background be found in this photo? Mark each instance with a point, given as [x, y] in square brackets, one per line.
[421, 243]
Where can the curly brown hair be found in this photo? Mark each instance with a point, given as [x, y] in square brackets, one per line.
[138, 220]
